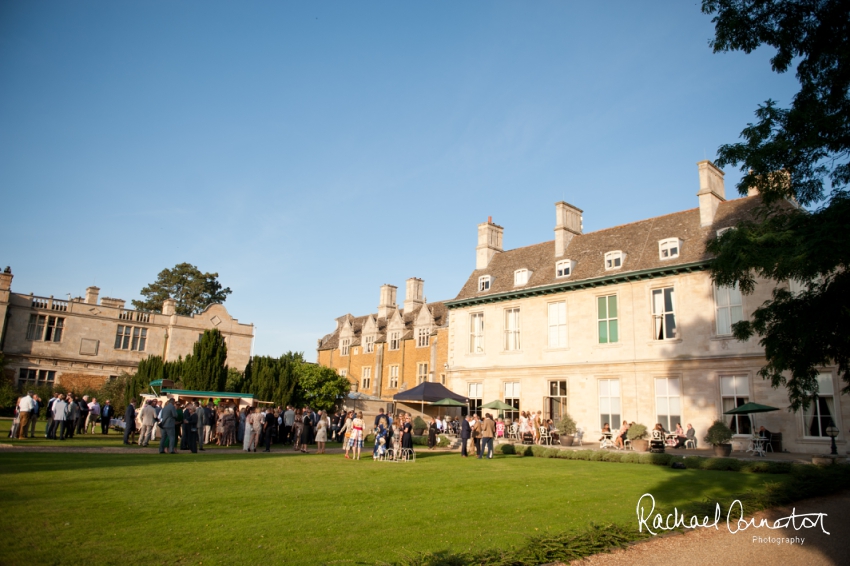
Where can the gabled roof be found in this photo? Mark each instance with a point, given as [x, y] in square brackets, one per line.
[438, 311]
[638, 240]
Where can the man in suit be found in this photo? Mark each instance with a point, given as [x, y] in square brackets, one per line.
[60, 411]
[106, 412]
[488, 431]
[147, 416]
[167, 424]
[129, 421]
[200, 421]
[465, 433]
[48, 425]
[80, 425]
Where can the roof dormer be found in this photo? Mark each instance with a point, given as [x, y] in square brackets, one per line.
[521, 277]
[484, 283]
[564, 268]
[669, 248]
[614, 260]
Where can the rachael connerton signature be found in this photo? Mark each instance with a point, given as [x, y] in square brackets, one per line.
[654, 522]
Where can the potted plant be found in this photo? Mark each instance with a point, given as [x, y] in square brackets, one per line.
[566, 430]
[637, 436]
[419, 426]
[719, 435]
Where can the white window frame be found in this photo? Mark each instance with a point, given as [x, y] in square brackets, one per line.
[668, 402]
[394, 376]
[423, 337]
[521, 277]
[476, 394]
[395, 340]
[343, 372]
[610, 403]
[421, 372]
[669, 248]
[476, 333]
[45, 328]
[814, 411]
[512, 330]
[728, 305]
[557, 335]
[132, 338]
[564, 268]
[484, 283]
[736, 389]
[366, 377]
[608, 320]
[344, 346]
[663, 313]
[513, 396]
[614, 260]
[368, 344]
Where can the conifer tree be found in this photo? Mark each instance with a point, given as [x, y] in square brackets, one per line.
[205, 368]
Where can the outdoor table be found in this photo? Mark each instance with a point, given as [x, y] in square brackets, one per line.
[757, 446]
[670, 439]
[607, 441]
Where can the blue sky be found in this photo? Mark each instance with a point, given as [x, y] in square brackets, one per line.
[310, 152]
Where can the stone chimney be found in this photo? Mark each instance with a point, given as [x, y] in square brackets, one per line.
[711, 191]
[91, 295]
[6, 279]
[489, 243]
[568, 223]
[413, 294]
[387, 304]
[169, 306]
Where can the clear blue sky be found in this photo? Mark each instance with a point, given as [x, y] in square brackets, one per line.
[309, 152]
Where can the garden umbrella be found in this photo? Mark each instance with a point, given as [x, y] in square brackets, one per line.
[498, 404]
[449, 402]
[750, 408]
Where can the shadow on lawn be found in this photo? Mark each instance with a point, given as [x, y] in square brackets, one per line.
[761, 491]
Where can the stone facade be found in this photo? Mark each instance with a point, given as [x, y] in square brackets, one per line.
[621, 324]
[80, 343]
[391, 350]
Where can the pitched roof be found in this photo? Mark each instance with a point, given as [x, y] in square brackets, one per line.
[331, 341]
[637, 240]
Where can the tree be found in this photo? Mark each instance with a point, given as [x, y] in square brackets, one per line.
[319, 387]
[801, 155]
[205, 368]
[272, 379]
[192, 290]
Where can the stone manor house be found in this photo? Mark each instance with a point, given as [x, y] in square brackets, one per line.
[619, 324]
[85, 341]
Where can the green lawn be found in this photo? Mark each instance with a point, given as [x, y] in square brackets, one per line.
[234, 508]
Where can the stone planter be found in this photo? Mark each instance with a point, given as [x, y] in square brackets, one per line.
[640, 444]
[722, 450]
[566, 439]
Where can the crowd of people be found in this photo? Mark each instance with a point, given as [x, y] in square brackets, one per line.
[65, 415]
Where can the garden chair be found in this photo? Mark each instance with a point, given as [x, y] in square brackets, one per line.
[691, 443]
[607, 442]
[627, 444]
[545, 437]
[578, 436]
[513, 433]
[656, 441]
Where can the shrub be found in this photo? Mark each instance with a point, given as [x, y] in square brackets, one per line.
[565, 454]
[419, 424]
[718, 433]
[538, 451]
[677, 460]
[721, 464]
[630, 458]
[597, 455]
[636, 431]
[552, 452]
[755, 467]
[566, 426]
[657, 459]
[529, 450]
[582, 454]
[505, 449]
[612, 457]
[693, 462]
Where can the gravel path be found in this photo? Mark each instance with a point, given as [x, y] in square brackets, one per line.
[709, 547]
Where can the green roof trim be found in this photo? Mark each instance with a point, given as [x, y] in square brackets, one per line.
[582, 284]
[209, 393]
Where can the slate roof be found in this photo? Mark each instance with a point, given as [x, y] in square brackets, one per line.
[638, 240]
[438, 309]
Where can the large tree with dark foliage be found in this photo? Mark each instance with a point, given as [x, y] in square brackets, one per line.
[799, 154]
[205, 369]
[192, 290]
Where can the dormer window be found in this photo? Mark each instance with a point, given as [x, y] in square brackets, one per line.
[669, 248]
[614, 260]
[564, 268]
[521, 277]
[484, 283]
[368, 344]
[343, 346]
